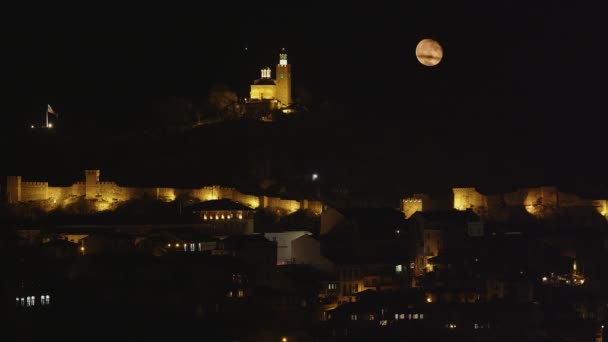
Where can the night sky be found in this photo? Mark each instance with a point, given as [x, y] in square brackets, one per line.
[517, 100]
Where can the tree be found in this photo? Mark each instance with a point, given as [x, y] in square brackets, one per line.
[223, 101]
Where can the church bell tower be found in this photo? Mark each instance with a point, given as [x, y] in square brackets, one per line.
[283, 81]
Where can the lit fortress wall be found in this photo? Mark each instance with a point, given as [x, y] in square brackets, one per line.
[107, 194]
[536, 201]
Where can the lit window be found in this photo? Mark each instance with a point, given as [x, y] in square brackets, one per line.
[22, 301]
[409, 316]
[398, 269]
[415, 316]
[476, 326]
[353, 317]
[397, 316]
[421, 316]
[402, 316]
[229, 294]
[48, 299]
[383, 322]
[192, 247]
[372, 317]
[17, 301]
[42, 300]
[241, 294]
[205, 217]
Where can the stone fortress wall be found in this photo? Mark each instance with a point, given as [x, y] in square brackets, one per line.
[536, 201]
[107, 194]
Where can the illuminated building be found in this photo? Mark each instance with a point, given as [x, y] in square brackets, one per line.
[225, 216]
[274, 92]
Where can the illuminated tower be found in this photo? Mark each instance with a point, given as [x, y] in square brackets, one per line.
[283, 80]
[91, 183]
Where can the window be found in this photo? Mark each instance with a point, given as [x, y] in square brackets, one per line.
[353, 317]
[241, 294]
[402, 316]
[229, 294]
[371, 317]
[398, 269]
[415, 316]
[332, 286]
[42, 300]
[384, 322]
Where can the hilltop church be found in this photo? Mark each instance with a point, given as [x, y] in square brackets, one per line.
[273, 94]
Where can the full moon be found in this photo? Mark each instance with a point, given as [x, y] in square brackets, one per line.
[429, 52]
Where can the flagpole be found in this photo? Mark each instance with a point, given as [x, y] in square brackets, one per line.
[47, 116]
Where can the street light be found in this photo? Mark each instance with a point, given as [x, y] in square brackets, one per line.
[315, 176]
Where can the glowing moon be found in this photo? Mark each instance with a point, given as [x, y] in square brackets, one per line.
[429, 52]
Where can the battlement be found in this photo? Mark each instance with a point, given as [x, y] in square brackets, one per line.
[107, 193]
[105, 183]
[34, 184]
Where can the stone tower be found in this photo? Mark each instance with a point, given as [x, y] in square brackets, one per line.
[91, 183]
[13, 188]
[283, 80]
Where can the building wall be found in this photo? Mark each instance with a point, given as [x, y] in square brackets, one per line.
[307, 250]
[263, 92]
[284, 248]
[329, 219]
